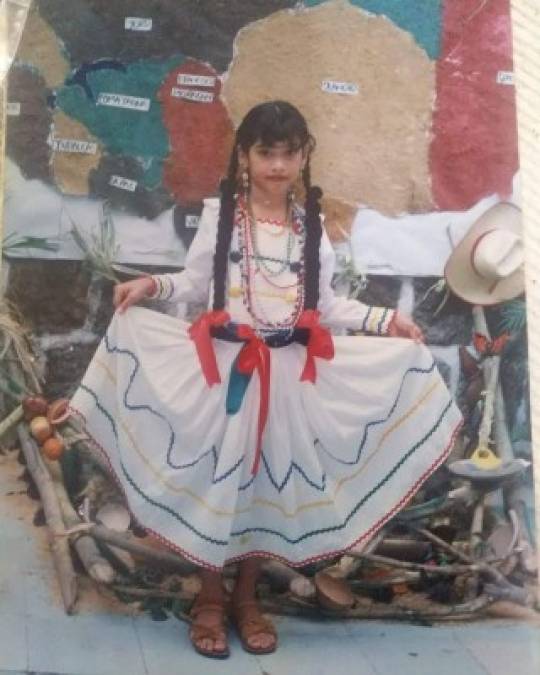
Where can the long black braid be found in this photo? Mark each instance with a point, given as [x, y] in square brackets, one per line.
[224, 231]
[270, 123]
[313, 240]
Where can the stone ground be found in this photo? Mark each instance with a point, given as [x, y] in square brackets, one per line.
[105, 638]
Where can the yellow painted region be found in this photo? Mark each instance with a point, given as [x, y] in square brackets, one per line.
[40, 47]
[372, 146]
[72, 169]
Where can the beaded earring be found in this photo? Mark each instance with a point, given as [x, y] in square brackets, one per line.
[245, 181]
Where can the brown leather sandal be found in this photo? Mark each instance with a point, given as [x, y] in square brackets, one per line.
[249, 622]
[199, 632]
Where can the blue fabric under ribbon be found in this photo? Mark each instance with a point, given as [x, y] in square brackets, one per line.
[238, 383]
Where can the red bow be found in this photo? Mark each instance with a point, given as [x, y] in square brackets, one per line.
[256, 354]
[199, 332]
[320, 343]
[487, 347]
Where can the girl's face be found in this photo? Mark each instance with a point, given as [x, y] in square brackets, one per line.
[274, 169]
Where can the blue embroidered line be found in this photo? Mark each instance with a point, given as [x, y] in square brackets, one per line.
[423, 371]
[112, 349]
[364, 499]
[364, 322]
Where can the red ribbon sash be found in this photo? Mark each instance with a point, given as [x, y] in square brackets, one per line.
[487, 347]
[255, 354]
[320, 343]
[199, 332]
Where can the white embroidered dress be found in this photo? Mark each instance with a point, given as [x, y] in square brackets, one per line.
[339, 456]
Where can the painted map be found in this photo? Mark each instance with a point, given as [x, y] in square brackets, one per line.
[134, 103]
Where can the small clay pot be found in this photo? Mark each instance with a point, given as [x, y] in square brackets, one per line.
[41, 429]
[33, 406]
[53, 448]
[332, 592]
[58, 412]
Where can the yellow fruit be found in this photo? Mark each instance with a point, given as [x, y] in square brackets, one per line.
[40, 429]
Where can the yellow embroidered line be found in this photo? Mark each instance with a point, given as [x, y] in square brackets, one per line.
[264, 502]
[346, 479]
[374, 319]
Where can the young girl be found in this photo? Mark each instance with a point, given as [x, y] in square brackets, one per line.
[254, 432]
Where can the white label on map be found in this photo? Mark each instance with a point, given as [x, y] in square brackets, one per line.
[123, 101]
[505, 77]
[333, 87]
[13, 108]
[74, 145]
[196, 80]
[137, 23]
[192, 95]
[123, 183]
[192, 221]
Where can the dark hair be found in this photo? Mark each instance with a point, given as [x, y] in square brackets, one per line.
[271, 122]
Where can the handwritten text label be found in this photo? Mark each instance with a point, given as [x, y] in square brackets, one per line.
[137, 23]
[505, 77]
[123, 101]
[192, 95]
[333, 87]
[196, 80]
[123, 183]
[74, 145]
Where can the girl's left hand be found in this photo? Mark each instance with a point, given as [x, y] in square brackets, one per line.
[403, 326]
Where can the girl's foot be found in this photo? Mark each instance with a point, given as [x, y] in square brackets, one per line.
[207, 632]
[257, 634]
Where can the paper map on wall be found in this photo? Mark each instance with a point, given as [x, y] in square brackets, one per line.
[136, 103]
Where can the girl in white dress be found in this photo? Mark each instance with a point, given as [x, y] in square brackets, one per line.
[254, 432]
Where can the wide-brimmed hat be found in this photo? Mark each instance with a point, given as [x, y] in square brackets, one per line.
[486, 267]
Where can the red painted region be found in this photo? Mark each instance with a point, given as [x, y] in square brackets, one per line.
[474, 149]
[201, 136]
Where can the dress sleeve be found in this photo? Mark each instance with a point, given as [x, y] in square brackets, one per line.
[340, 312]
[192, 284]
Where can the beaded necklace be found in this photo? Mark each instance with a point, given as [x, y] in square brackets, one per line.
[251, 263]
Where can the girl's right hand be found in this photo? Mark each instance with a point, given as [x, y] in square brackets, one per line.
[130, 292]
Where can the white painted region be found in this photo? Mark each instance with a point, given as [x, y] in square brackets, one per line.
[196, 80]
[192, 221]
[123, 101]
[335, 87]
[73, 145]
[50, 214]
[505, 77]
[13, 108]
[192, 95]
[137, 23]
[123, 183]
[414, 244]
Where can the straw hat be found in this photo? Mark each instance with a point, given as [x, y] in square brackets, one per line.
[486, 267]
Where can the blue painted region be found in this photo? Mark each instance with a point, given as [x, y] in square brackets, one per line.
[421, 18]
[124, 132]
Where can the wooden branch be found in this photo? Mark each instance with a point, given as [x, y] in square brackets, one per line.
[129, 543]
[58, 544]
[287, 577]
[380, 610]
[442, 570]
[14, 417]
[99, 569]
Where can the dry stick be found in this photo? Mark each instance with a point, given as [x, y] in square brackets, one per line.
[59, 545]
[14, 417]
[443, 570]
[129, 543]
[98, 568]
[510, 591]
[380, 611]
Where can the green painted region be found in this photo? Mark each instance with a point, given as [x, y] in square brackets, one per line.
[421, 18]
[125, 132]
